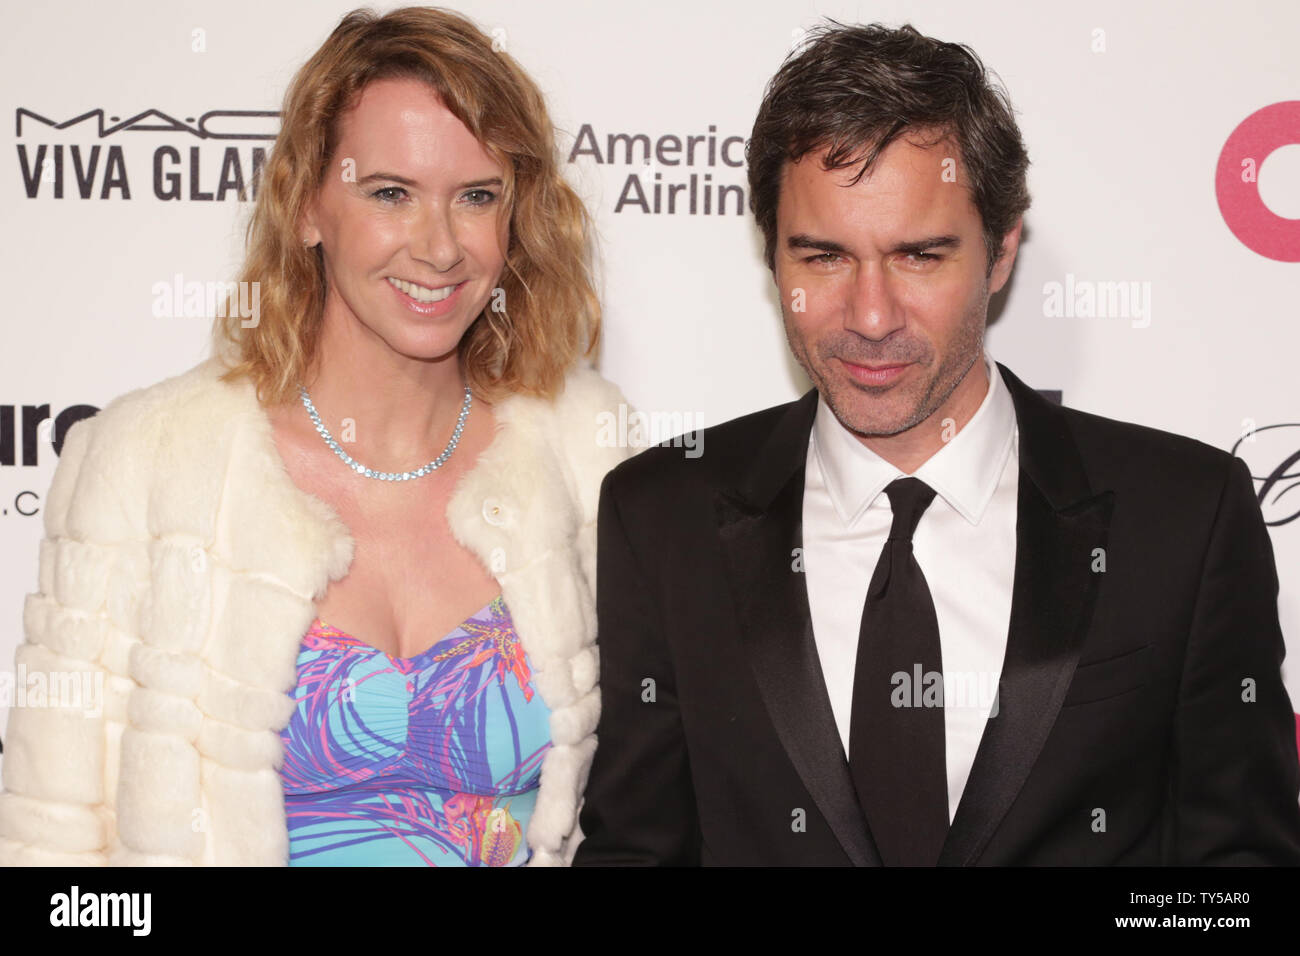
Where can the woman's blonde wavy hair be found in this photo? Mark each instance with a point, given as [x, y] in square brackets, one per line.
[551, 314]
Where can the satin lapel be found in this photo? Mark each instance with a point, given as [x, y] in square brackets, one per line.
[1060, 522]
[760, 524]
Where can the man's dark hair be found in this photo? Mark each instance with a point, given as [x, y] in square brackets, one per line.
[852, 90]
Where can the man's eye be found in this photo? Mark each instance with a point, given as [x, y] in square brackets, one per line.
[380, 193]
[824, 258]
[924, 256]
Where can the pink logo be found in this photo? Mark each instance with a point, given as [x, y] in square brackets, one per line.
[1257, 226]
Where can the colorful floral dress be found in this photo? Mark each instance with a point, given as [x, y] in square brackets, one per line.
[432, 760]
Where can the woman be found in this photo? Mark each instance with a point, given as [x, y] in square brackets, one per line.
[339, 578]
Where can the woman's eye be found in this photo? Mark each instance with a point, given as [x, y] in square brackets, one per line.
[480, 197]
[380, 193]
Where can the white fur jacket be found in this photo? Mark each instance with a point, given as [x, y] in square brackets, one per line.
[181, 563]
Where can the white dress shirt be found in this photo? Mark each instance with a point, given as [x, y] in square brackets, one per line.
[965, 545]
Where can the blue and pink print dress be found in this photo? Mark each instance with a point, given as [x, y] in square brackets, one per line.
[432, 760]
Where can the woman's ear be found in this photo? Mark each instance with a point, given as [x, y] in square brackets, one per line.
[308, 232]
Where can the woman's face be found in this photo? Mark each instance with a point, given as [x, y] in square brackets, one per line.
[411, 221]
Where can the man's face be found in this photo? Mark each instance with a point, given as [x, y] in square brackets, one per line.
[884, 285]
[414, 238]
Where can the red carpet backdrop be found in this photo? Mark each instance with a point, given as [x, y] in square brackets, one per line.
[1157, 280]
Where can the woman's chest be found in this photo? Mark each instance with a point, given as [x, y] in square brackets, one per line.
[410, 580]
[409, 583]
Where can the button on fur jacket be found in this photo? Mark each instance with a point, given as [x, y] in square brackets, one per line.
[181, 565]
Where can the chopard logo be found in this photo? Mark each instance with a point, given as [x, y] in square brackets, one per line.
[1272, 452]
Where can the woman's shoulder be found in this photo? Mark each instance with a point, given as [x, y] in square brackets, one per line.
[586, 396]
[580, 416]
[136, 413]
[108, 461]
[566, 435]
[583, 391]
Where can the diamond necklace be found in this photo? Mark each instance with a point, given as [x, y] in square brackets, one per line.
[361, 469]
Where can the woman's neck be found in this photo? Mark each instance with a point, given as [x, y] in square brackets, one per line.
[389, 410]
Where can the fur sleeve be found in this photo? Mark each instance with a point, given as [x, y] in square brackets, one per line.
[591, 445]
[53, 807]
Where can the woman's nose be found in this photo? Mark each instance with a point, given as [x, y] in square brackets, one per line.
[434, 240]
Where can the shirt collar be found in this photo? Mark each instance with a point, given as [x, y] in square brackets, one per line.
[964, 472]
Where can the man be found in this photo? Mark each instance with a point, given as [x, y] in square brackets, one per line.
[923, 615]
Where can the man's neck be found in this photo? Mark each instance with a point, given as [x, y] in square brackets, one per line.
[909, 450]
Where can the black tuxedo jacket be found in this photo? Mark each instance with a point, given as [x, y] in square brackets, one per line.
[1141, 714]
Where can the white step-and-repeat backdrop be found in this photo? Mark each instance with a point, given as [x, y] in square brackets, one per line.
[1165, 141]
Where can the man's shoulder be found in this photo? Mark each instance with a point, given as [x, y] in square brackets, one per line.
[1160, 478]
[1117, 454]
[1116, 451]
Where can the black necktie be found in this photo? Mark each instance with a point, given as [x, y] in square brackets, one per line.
[896, 737]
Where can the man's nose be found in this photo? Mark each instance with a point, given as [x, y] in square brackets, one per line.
[434, 239]
[873, 309]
